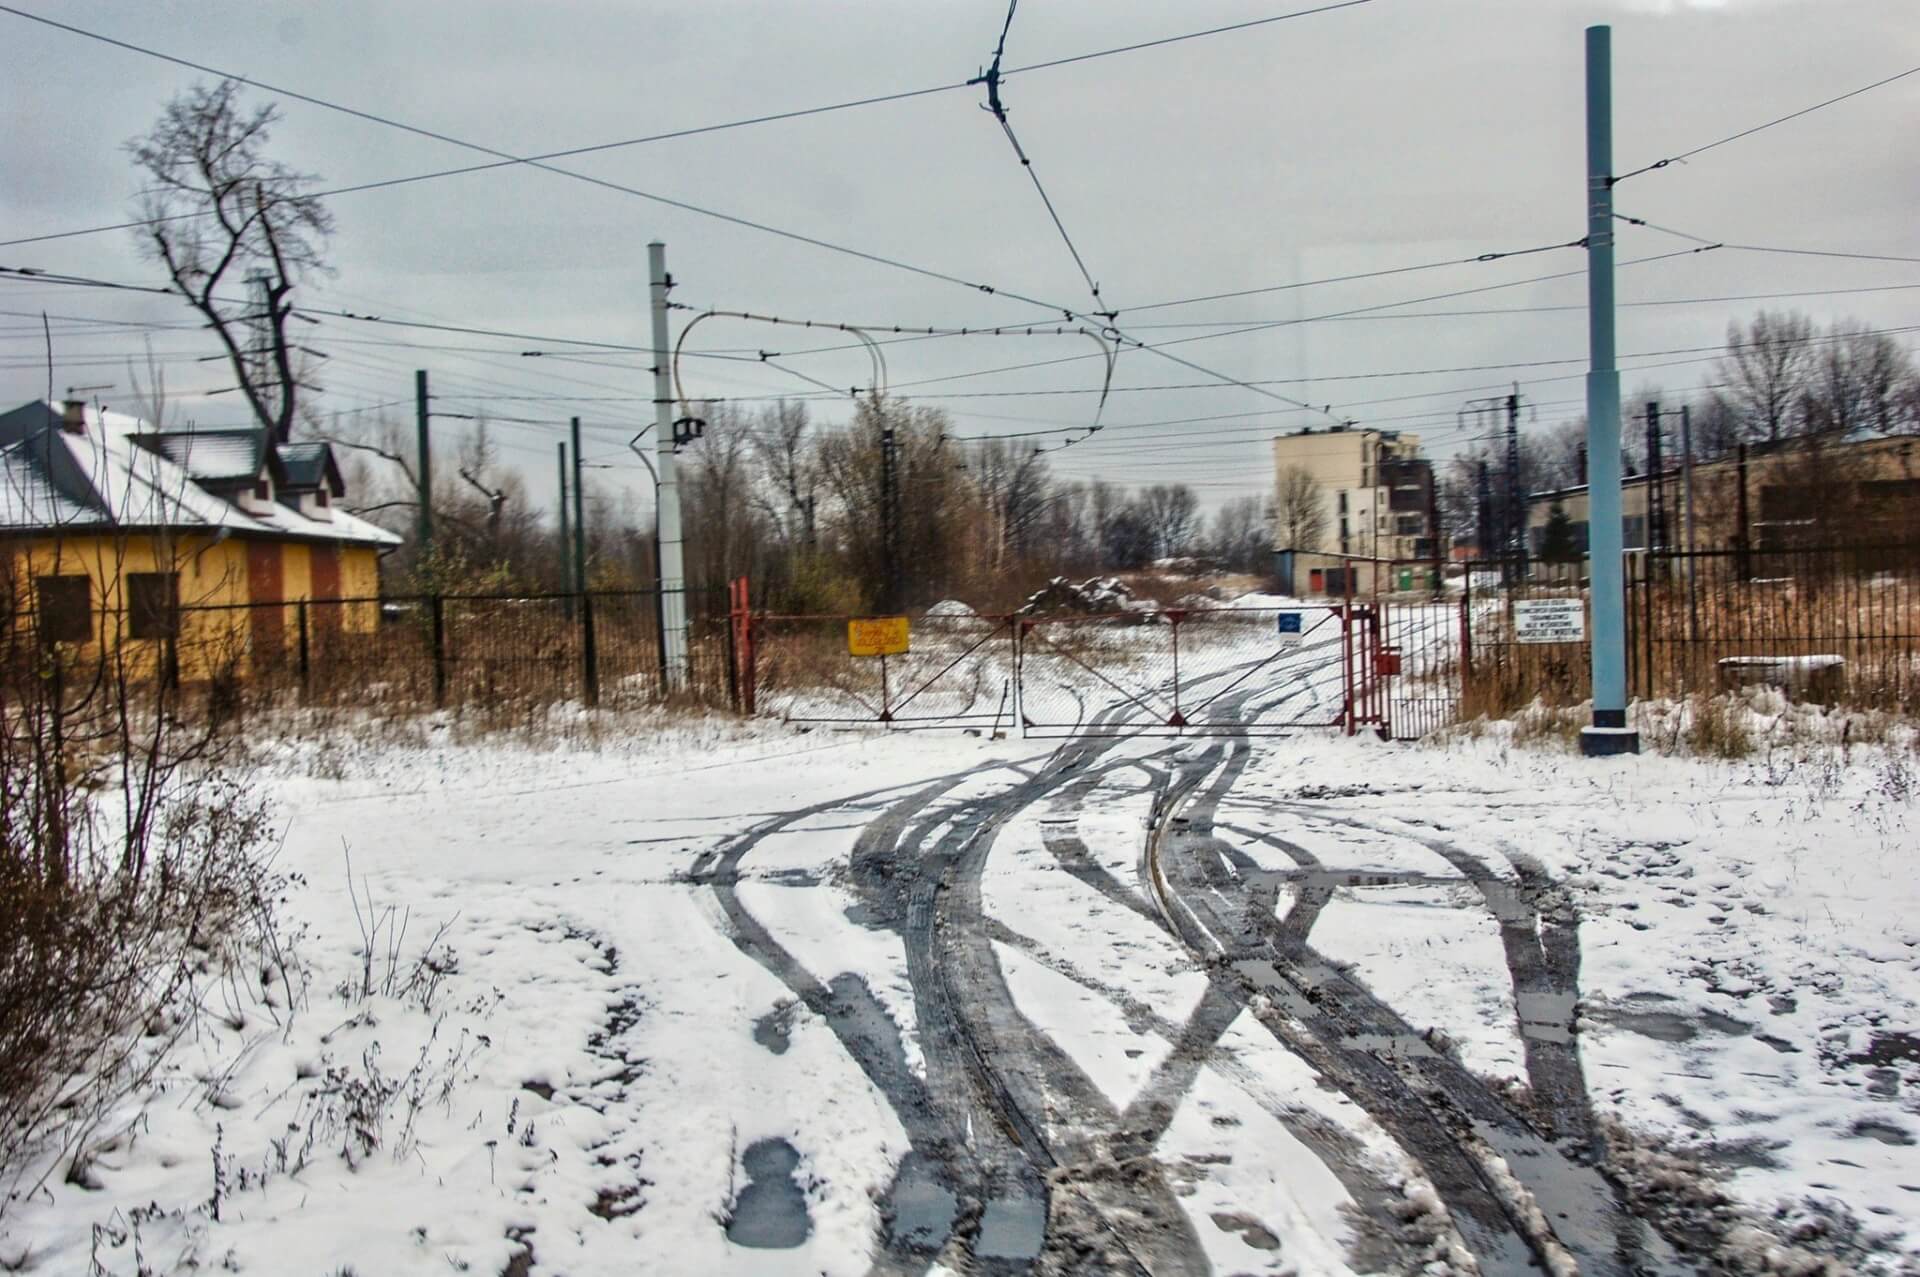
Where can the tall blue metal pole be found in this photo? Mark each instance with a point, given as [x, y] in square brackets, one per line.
[1609, 733]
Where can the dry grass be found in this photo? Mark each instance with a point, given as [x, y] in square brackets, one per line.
[134, 863]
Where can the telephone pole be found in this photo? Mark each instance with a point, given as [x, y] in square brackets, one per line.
[1609, 733]
[425, 460]
[579, 517]
[566, 538]
[1686, 514]
[673, 577]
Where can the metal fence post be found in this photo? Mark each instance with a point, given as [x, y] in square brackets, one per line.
[660, 624]
[589, 654]
[733, 655]
[439, 651]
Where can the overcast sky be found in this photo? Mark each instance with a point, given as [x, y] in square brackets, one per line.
[1394, 133]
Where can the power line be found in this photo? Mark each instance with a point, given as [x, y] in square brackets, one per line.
[1763, 248]
[508, 161]
[1749, 132]
[1283, 323]
[1344, 279]
[1543, 310]
[991, 79]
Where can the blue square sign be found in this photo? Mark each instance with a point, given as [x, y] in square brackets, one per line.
[1291, 627]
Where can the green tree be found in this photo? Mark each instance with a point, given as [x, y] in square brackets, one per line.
[1558, 543]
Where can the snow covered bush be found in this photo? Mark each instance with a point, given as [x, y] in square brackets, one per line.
[131, 862]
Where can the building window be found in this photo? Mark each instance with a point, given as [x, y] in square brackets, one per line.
[1343, 501]
[320, 497]
[1409, 525]
[263, 491]
[66, 608]
[153, 605]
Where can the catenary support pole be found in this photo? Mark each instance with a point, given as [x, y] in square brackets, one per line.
[673, 579]
[566, 537]
[1686, 515]
[1515, 541]
[1608, 734]
[579, 517]
[424, 459]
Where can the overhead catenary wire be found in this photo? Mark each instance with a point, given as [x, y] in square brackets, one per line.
[990, 78]
[1684, 156]
[504, 160]
[875, 258]
[1764, 248]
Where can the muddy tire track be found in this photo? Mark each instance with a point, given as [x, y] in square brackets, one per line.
[1517, 1195]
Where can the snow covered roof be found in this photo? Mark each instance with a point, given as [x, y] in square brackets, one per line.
[309, 465]
[114, 473]
[212, 456]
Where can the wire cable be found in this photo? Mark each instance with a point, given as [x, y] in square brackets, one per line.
[509, 161]
[1735, 137]
[1762, 248]
[998, 109]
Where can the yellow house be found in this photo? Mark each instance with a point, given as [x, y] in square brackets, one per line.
[192, 552]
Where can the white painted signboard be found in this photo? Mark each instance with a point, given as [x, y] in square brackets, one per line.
[1549, 620]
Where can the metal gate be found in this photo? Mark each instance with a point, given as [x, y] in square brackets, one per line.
[957, 672]
[1393, 668]
[1191, 672]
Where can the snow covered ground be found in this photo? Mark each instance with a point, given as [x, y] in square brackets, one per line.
[630, 1049]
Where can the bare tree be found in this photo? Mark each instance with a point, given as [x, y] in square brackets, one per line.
[1013, 489]
[1242, 537]
[1299, 510]
[220, 214]
[1557, 455]
[1173, 515]
[1857, 383]
[1766, 369]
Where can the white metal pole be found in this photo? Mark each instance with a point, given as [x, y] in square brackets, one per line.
[673, 580]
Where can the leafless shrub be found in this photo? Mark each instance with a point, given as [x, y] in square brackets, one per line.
[132, 865]
[1717, 727]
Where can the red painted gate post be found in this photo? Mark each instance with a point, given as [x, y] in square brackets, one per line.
[1346, 667]
[740, 616]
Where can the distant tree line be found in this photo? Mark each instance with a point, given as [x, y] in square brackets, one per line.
[798, 505]
[1783, 382]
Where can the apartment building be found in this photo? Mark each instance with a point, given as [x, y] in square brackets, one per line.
[1374, 488]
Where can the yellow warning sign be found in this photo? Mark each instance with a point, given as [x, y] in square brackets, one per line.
[876, 635]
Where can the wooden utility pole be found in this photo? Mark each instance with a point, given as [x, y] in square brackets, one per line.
[425, 460]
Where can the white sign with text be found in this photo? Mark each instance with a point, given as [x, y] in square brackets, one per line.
[1549, 620]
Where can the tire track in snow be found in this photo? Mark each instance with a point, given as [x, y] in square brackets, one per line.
[1560, 1205]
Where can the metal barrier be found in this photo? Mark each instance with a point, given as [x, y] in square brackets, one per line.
[958, 671]
[1195, 672]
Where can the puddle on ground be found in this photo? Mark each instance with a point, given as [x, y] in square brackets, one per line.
[774, 1030]
[1012, 1228]
[1670, 1026]
[1754, 1154]
[1886, 1132]
[1546, 1016]
[919, 1209]
[771, 1213]
[1251, 1230]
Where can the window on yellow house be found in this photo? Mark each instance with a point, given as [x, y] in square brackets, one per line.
[153, 605]
[65, 605]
